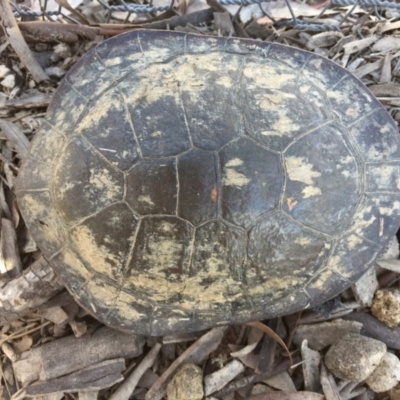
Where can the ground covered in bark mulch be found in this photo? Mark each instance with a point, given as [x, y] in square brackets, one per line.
[51, 348]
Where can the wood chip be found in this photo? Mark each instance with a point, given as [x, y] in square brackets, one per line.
[95, 377]
[324, 39]
[324, 334]
[10, 259]
[358, 45]
[217, 380]
[312, 361]
[368, 69]
[391, 265]
[365, 288]
[385, 90]
[386, 75]
[281, 381]
[287, 396]
[386, 44]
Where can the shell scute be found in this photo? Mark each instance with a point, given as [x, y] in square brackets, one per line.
[326, 178]
[152, 186]
[251, 181]
[199, 187]
[99, 127]
[83, 174]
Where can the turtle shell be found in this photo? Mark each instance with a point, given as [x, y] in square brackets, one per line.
[181, 182]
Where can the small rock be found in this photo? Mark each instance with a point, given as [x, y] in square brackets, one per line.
[8, 81]
[394, 393]
[365, 288]
[55, 72]
[386, 306]
[3, 71]
[354, 357]
[62, 50]
[187, 384]
[386, 376]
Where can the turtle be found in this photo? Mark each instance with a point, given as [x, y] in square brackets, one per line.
[181, 182]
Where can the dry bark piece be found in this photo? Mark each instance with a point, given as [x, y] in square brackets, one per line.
[376, 329]
[312, 361]
[365, 288]
[354, 357]
[324, 39]
[287, 396]
[69, 354]
[187, 384]
[98, 376]
[324, 334]
[217, 380]
[11, 261]
[386, 44]
[32, 99]
[386, 376]
[391, 265]
[55, 314]
[358, 45]
[386, 306]
[385, 90]
[37, 284]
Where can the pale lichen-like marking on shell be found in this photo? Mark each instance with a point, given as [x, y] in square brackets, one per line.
[182, 182]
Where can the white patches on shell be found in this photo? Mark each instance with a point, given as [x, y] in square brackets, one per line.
[101, 180]
[300, 170]
[235, 162]
[310, 191]
[146, 199]
[234, 178]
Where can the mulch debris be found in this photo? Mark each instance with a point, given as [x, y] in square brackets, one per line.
[52, 349]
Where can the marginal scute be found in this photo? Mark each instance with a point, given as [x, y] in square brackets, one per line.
[107, 126]
[376, 218]
[376, 135]
[156, 111]
[71, 271]
[45, 223]
[326, 284]
[278, 105]
[202, 44]
[105, 239]
[350, 101]
[292, 57]
[85, 182]
[89, 77]
[121, 55]
[162, 248]
[154, 50]
[252, 180]
[211, 101]
[274, 268]
[323, 184]
[352, 256]
[199, 188]
[323, 73]
[152, 187]
[66, 107]
[383, 177]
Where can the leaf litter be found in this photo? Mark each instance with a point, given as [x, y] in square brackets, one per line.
[47, 341]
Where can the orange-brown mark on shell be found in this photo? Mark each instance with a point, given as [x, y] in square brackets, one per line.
[291, 203]
[214, 194]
